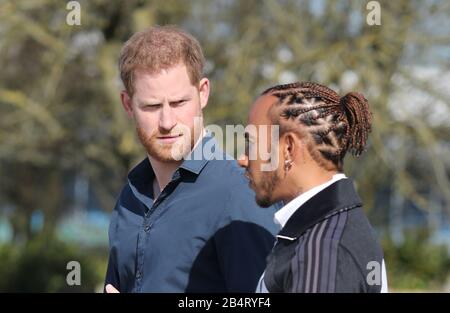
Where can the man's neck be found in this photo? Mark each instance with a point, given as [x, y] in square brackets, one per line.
[163, 171]
[308, 181]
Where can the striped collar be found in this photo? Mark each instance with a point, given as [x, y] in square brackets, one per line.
[338, 195]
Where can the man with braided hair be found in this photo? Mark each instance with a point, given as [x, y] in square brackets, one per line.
[326, 243]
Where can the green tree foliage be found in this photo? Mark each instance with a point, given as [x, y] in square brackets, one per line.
[417, 263]
[40, 266]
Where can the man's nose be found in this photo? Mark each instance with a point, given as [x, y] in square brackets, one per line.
[243, 161]
[167, 119]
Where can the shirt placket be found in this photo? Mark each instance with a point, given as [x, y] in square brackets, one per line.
[144, 233]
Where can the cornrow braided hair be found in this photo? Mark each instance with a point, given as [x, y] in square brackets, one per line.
[335, 124]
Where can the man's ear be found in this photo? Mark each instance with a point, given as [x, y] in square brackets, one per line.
[292, 146]
[203, 88]
[288, 146]
[127, 103]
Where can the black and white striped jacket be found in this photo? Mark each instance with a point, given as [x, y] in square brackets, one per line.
[327, 245]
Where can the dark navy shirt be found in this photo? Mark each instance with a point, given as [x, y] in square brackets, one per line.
[204, 232]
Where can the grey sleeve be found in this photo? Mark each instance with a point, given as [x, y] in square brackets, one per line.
[351, 277]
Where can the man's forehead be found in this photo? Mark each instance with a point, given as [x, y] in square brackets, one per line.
[172, 81]
[259, 112]
[150, 89]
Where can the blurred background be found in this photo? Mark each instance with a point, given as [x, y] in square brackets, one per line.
[66, 144]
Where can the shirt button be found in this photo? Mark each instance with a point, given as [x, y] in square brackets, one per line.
[138, 274]
[147, 228]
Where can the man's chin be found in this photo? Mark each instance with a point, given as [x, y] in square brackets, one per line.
[165, 157]
[263, 202]
[168, 152]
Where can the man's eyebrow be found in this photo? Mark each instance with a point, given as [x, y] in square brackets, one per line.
[157, 101]
[180, 98]
[148, 101]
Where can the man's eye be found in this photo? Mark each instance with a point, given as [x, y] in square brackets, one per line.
[177, 103]
[152, 106]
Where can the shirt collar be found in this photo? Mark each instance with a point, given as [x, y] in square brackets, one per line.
[283, 215]
[196, 160]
